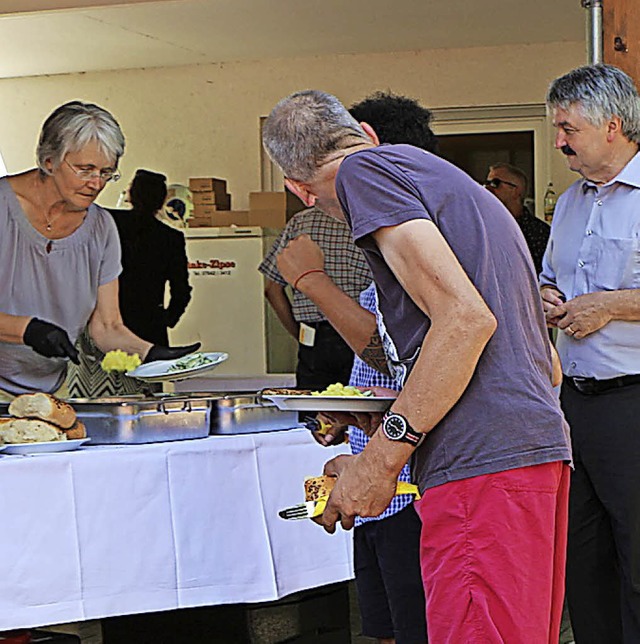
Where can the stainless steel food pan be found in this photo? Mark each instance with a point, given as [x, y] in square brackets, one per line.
[248, 413]
[147, 420]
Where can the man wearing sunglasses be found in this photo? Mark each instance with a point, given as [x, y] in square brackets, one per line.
[509, 183]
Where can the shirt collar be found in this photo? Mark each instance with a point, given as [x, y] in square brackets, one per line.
[629, 175]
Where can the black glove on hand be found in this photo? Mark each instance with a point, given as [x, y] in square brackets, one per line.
[49, 340]
[170, 353]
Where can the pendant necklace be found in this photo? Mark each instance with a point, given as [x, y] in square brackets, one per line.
[49, 227]
[49, 224]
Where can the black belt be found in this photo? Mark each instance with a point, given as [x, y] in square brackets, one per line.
[592, 386]
[320, 325]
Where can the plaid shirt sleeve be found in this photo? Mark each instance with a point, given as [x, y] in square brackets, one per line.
[344, 261]
[362, 375]
[268, 266]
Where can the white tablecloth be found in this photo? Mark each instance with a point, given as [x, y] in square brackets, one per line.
[129, 529]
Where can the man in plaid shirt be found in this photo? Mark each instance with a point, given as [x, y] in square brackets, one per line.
[323, 356]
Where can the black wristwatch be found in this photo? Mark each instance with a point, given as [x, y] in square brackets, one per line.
[396, 428]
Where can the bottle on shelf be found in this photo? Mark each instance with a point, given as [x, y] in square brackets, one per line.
[550, 199]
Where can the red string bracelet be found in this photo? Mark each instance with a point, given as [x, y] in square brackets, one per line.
[311, 270]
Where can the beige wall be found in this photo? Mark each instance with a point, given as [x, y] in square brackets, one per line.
[203, 120]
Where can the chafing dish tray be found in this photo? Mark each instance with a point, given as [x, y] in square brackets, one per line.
[132, 419]
[248, 413]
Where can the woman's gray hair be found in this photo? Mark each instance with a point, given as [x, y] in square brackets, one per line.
[305, 128]
[74, 125]
[599, 92]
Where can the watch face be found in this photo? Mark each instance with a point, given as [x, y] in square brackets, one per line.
[395, 426]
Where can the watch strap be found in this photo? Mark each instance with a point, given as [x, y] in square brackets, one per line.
[411, 436]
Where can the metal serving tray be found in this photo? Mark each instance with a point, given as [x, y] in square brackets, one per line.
[134, 420]
[248, 413]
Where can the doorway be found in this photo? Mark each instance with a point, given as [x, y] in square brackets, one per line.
[474, 138]
[474, 153]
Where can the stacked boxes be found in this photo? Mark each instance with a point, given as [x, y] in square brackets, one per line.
[210, 198]
[220, 218]
[272, 209]
[212, 206]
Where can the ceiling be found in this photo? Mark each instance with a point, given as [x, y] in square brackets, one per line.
[61, 36]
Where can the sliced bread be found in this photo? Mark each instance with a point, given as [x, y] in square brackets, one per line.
[77, 431]
[28, 430]
[45, 407]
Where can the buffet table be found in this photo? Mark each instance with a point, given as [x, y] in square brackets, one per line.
[116, 530]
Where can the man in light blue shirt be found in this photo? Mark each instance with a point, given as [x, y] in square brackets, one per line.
[591, 290]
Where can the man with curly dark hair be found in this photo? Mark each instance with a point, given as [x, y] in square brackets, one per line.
[397, 119]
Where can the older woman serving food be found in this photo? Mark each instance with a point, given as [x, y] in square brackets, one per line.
[60, 254]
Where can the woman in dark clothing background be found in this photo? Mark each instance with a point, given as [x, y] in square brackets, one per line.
[152, 255]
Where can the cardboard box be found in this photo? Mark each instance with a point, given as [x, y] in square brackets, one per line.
[220, 201]
[204, 198]
[199, 222]
[267, 218]
[221, 218]
[223, 202]
[285, 201]
[230, 218]
[202, 212]
[210, 210]
[208, 184]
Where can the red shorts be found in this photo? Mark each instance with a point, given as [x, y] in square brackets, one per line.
[492, 554]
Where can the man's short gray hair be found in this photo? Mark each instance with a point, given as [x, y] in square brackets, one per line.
[305, 128]
[599, 92]
[515, 172]
[71, 127]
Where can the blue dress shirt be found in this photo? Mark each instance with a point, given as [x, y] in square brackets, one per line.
[595, 246]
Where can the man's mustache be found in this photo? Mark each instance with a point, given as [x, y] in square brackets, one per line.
[565, 149]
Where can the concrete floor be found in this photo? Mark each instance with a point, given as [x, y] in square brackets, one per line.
[91, 633]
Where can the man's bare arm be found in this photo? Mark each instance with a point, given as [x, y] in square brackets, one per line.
[373, 354]
[280, 303]
[461, 326]
[461, 322]
[12, 327]
[356, 325]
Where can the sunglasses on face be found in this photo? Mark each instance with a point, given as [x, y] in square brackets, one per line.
[496, 183]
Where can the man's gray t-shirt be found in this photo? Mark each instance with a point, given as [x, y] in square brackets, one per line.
[509, 416]
[60, 286]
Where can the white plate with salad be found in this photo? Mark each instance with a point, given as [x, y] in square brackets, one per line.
[195, 364]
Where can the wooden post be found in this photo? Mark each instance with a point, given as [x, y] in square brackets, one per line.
[621, 36]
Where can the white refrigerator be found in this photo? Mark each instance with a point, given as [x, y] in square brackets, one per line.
[227, 308]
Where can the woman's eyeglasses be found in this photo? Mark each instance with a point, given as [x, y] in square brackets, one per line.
[103, 175]
[496, 183]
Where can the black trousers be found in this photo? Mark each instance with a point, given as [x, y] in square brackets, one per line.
[603, 558]
[328, 361]
[388, 578]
